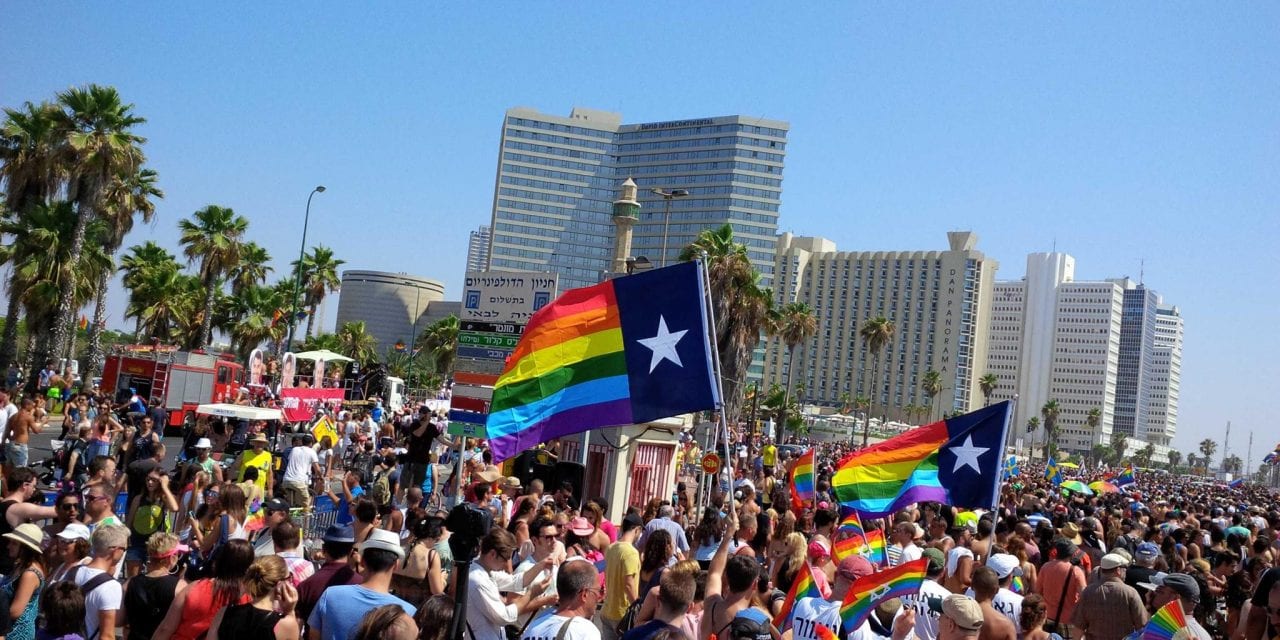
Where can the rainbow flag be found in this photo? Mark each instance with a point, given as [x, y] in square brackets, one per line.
[871, 546]
[629, 350]
[1168, 621]
[850, 522]
[823, 632]
[803, 586]
[1125, 477]
[802, 484]
[1019, 587]
[869, 591]
[956, 461]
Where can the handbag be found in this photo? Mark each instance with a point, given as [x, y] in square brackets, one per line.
[628, 619]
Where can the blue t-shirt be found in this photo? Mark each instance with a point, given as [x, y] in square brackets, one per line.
[344, 507]
[341, 609]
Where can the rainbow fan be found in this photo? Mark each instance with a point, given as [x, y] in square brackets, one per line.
[1166, 623]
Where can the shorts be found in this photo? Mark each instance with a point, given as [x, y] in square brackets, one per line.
[15, 454]
[414, 474]
[136, 553]
[296, 494]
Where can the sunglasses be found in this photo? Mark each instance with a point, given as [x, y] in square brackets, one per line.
[69, 506]
[92, 498]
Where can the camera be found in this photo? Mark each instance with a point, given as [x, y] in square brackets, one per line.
[467, 523]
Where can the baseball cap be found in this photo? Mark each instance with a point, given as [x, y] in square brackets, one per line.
[276, 504]
[74, 531]
[1146, 551]
[384, 540]
[339, 533]
[1113, 561]
[1004, 565]
[1182, 584]
[936, 559]
[964, 611]
[632, 520]
[750, 624]
[854, 567]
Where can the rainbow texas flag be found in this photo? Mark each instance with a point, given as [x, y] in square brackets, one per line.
[625, 351]
[804, 586]
[956, 461]
[869, 591]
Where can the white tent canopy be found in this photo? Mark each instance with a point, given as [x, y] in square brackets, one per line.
[322, 354]
[240, 411]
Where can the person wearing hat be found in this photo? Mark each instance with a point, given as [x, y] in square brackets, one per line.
[810, 612]
[275, 512]
[926, 604]
[26, 579]
[1004, 601]
[341, 608]
[1060, 581]
[1143, 566]
[147, 596]
[1181, 586]
[203, 459]
[336, 547]
[258, 457]
[70, 548]
[985, 586]
[961, 617]
[1109, 609]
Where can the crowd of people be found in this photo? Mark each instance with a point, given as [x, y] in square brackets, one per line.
[250, 531]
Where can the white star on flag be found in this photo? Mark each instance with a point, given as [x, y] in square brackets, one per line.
[663, 345]
[880, 592]
[967, 455]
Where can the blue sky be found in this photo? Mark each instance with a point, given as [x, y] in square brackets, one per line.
[1122, 133]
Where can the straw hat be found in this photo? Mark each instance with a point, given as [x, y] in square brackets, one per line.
[489, 474]
[27, 534]
[259, 437]
[1070, 532]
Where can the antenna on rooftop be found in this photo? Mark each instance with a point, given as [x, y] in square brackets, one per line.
[1142, 270]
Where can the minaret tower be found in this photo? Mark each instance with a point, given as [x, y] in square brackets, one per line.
[626, 210]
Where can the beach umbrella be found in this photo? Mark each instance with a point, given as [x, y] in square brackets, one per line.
[1069, 465]
[1077, 486]
[1102, 486]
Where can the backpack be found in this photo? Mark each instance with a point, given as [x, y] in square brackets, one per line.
[380, 490]
[85, 589]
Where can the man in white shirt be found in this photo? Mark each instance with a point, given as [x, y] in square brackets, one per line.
[1005, 601]
[7, 410]
[103, 593]
[487, 610]
[904, 548]
[303, 464]
[927, 604]
[579, 586]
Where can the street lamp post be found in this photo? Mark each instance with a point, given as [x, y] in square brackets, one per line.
[668, 196]
[297, 282]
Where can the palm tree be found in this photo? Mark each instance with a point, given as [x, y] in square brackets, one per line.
[742, 307]
[876, 333]
[1232, 464]
[1208, 447]
[357, 342]
[250, 314]
[322, 341]
[931, 384]
[1094, 418]
[440, 341]
[1050, 414]
[127, 196]
[1144, 455]
[214, 236]
[251, 270]
[1174, 458]
[846, 403]
[30, 172]
[1033, 423]
[1119, 445]
[796, 324]
[139, 268]
[988, 384]
[99, 146]
[164, 301]
[319, 279]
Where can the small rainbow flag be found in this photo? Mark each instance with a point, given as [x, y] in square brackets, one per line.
[626, 351]
[871, 546]
[1125, 477]
[823, 632]
[804, 586]
[1018, 586]
[1168, 621]
[869, 591]
[802, 485]
[850, 523]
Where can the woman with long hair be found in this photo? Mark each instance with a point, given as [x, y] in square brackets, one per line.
[270, 611]
[784, 526]
[147, 596]
[657, 552]
[600, 537]
[192, 485]
[526, 508]
[206, 516]
[706, 536]
[1018, 548]
[434, 617]
[194, 607]
[147, 513]
[230, 526]
[420, 575]
[1034, 614]
[25, 581]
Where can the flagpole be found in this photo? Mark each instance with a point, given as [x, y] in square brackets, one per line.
[995, 498]
[715, 363]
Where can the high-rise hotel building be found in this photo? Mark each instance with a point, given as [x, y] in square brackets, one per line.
[938, 301]
[558, 176]
[1166, 377]
[1087, 345]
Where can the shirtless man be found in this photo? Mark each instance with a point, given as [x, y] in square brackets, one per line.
[20, 427]
[995, 625]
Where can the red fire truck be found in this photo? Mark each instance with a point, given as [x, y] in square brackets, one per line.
[181, 379]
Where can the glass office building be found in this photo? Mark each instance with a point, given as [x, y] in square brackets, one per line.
[558, 176]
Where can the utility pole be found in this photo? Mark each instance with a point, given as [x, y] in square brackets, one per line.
[1226, 443]
[1248, 461]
